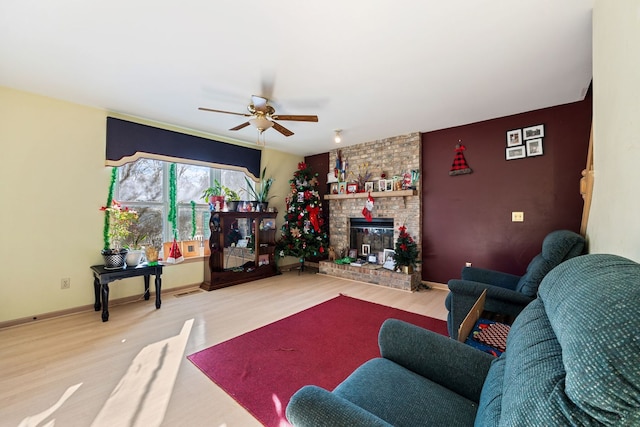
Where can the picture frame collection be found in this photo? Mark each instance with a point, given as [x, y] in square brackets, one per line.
[525, 142]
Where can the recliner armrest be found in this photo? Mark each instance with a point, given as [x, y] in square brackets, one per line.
[456, 366]
[316, 407]
[490, 277]
[474, 289]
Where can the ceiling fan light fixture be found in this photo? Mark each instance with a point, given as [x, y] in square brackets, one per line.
[338, 137]
[261, 123]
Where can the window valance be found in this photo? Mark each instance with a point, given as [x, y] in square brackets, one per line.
[128, 141]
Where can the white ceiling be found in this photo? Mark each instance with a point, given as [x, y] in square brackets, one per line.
[375, 69]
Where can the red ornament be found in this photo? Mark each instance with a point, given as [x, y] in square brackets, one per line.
[313, 217]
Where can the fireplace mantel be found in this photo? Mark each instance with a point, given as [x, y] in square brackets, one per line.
[401, 193]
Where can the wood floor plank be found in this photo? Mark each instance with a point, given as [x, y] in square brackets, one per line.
[39, 361]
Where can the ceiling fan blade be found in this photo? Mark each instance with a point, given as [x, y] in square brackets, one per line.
[283, 130]
[243, 125]
[259, 103]
[295, 118]
[226, 112]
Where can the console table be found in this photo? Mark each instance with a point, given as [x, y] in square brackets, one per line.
[102, 277]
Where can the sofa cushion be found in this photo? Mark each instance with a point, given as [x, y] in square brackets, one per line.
[533, 370]
[404, 398]
[592, 302]
[490, 405]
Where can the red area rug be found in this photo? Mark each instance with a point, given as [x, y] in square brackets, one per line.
[321, 345]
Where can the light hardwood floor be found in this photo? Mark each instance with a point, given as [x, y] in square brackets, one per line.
[41, 361]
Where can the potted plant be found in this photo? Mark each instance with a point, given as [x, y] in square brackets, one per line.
[118, 220]
[406, 256]
[134, 244]
[232, 198]
[214, 195]
[261, 196]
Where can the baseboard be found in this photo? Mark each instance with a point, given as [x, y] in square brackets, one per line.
[436, 285]
[89, 307]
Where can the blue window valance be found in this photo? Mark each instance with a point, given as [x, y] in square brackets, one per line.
[128, 141]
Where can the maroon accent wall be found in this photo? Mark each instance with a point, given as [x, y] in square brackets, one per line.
[468, 217]
[319, 164]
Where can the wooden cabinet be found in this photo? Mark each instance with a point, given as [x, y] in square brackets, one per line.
[242, 248]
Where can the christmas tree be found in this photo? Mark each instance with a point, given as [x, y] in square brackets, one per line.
[304, 232]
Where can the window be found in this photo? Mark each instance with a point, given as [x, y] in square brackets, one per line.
[144, 186]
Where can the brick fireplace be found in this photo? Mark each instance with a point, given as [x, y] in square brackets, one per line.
[391, 156]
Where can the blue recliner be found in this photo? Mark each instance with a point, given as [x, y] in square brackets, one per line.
[509, 294]
[573, 358]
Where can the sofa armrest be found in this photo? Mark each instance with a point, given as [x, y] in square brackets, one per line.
[316, 407]
[456, 366]
[502, 295]
[490, 277]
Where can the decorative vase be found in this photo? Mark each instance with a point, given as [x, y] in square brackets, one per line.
[262, 206]
[114, 258]
[151, 254]
[232, 205]
[407, 269]
[217, 203]
[134, 257]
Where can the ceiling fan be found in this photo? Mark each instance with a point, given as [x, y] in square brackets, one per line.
[263, 116]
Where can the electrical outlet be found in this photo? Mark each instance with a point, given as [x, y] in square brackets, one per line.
[65, 283]
[517, 216]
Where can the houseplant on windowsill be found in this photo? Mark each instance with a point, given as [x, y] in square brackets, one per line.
[406, 256]
[214, 196]
[232, 198]
[261, 195]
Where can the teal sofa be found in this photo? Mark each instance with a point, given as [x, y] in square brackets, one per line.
[572, 358]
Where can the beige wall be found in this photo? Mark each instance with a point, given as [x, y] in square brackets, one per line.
[613, 223]
[53, 182]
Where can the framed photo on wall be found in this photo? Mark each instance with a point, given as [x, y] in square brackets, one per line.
[513, 153]
[533, 132]
[514, 137]
[534, 147]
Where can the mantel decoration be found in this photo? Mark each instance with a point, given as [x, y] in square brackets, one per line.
[304, 232]
[362, 177]
[117, 223]
[406, 253]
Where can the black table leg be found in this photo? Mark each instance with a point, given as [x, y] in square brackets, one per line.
[146, 287]
[96, 290]
[105, 302]
[158, 286]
